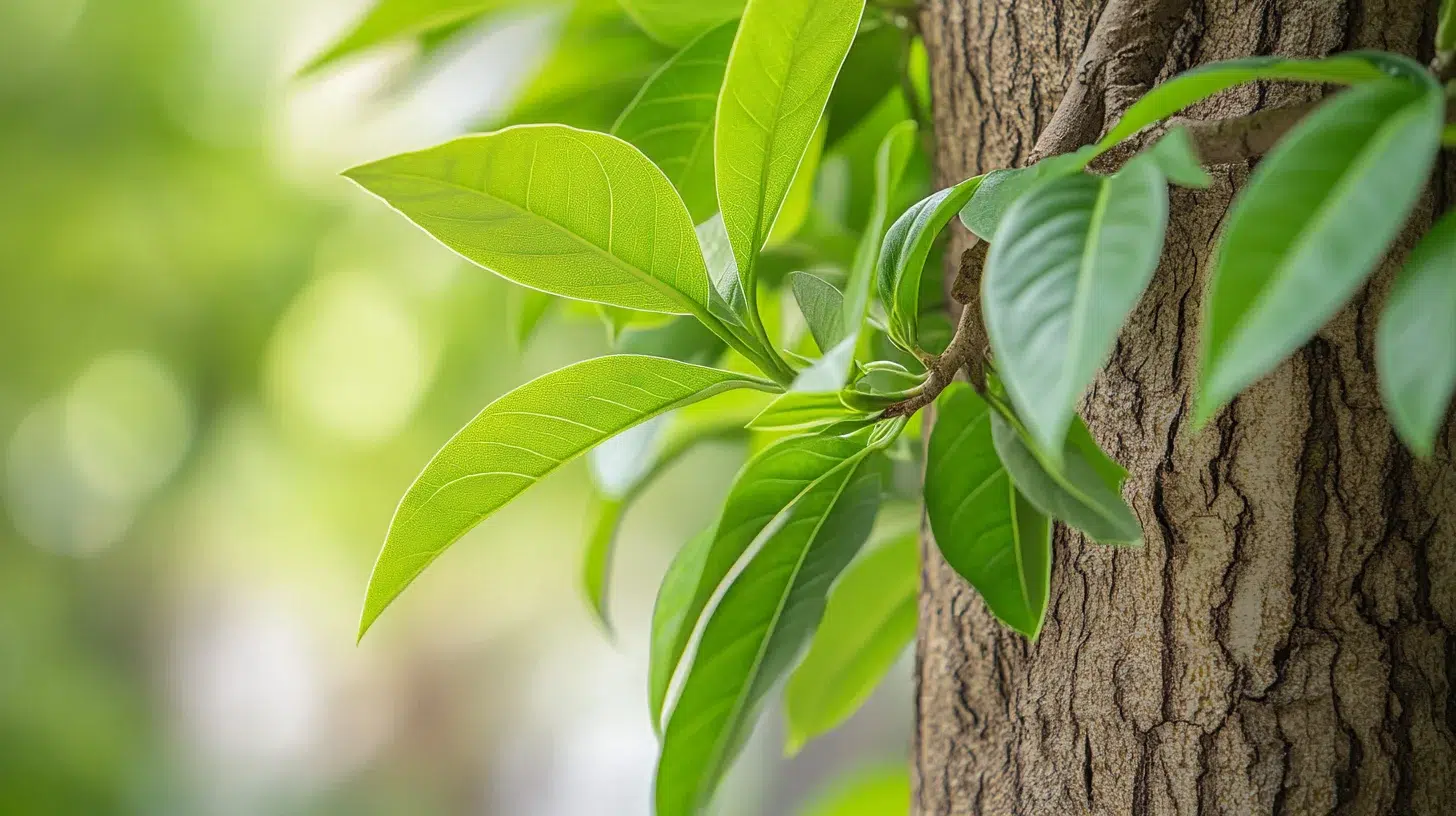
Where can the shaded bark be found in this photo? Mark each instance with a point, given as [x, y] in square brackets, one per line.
[1285, 642]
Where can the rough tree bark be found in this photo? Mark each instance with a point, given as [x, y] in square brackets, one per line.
[1285, 642]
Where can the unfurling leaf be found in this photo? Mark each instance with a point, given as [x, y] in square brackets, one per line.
[755, 632]
[671, 120]
[785, 58]
[986, 529]
[904, 254]
[677, 22]
[1069, 262]
[868, 622]
[1416, 345]
[520, 438]
[1317, 215]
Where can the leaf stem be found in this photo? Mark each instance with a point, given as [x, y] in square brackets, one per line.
[943, 368]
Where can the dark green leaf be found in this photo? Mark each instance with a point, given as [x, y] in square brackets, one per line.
[520, 438]
[822, 306]
[1069, 262]
[1081, 493]
[753, 635]
[671, 120]
[905, 251]
[987, 531]
[1446, 28]
[868, 622]
[1317, 215]
[677, 22]
[1416, 346]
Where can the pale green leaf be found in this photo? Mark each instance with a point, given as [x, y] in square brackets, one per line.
[1416, 345]
[527, 307]
[671, 119]
[1205, 81]
[671, 623]
[603, 518]
[398, 20]
[822, 306]
[677, 22]
[579, 214]
[904, 254]
[1176, 156]
[868, 622]
[755, 632]
[519, 439]
[1084, 492]
[803, 409]
[986, 529]
[873, 792]
[1316, 216]
[784, 61]
[999, 189]
[1068, 263]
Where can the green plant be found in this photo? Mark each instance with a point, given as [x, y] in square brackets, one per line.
[1074, 241]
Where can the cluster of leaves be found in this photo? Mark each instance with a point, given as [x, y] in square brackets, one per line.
[719, 199]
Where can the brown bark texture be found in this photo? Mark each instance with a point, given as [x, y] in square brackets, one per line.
[1285, 640]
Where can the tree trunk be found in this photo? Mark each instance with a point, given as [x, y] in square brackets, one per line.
[1285, 641]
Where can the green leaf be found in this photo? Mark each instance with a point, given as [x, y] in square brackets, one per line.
[1416, 344]
[1069, 262]
[603, 518]
[1084, 492]
[396, 20]
[874, 792]
[803, 409]
[986, 529]
[671, 120]
[999, 189]
[1205, 81]
[822, 306]
[753, 635]
[1178, 159]
[784, 61]
[1446, 28]
[671, 623]
[905, 251]
[579, 214]
[520, 438]
[1317, 215]
[677, 22]
[870, 72]
[868, 622]
[795, 210]
[528, 306]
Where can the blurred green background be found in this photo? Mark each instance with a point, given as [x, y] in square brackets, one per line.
[222, 366]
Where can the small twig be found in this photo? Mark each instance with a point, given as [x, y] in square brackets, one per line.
[943, 369]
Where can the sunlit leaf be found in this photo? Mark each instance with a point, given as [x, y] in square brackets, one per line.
[398, 20]
[755, 632]
[671, 119]
[1416, 345]
[1206, 80]
[785, 58]
[1316, 216]
[868, 622]
[671, 623]
[520, 438]
[988, 532]
[872, 792]
[904, 254]
[800, 197]
[1068, 263]
[822, 306]
[677, 22]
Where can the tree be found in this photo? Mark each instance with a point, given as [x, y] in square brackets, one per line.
[1283, 643]
[1180, 560]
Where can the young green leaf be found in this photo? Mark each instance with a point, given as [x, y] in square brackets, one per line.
[1205, 81]
[671, 120]
[671, 623]
[1176, 156]
[874, 792]
[1316, 216]
[868, 622]
[397, 20]
[1416, 345]
[905, 251]
[676, 22]
[784, 61]
[575, 213]
[822, 306]
[1069, 262]
[520, 438]
[999, 189]
[603, 518]
[987, 531]
[1084, 492]
[803, 409]
[756, 631]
